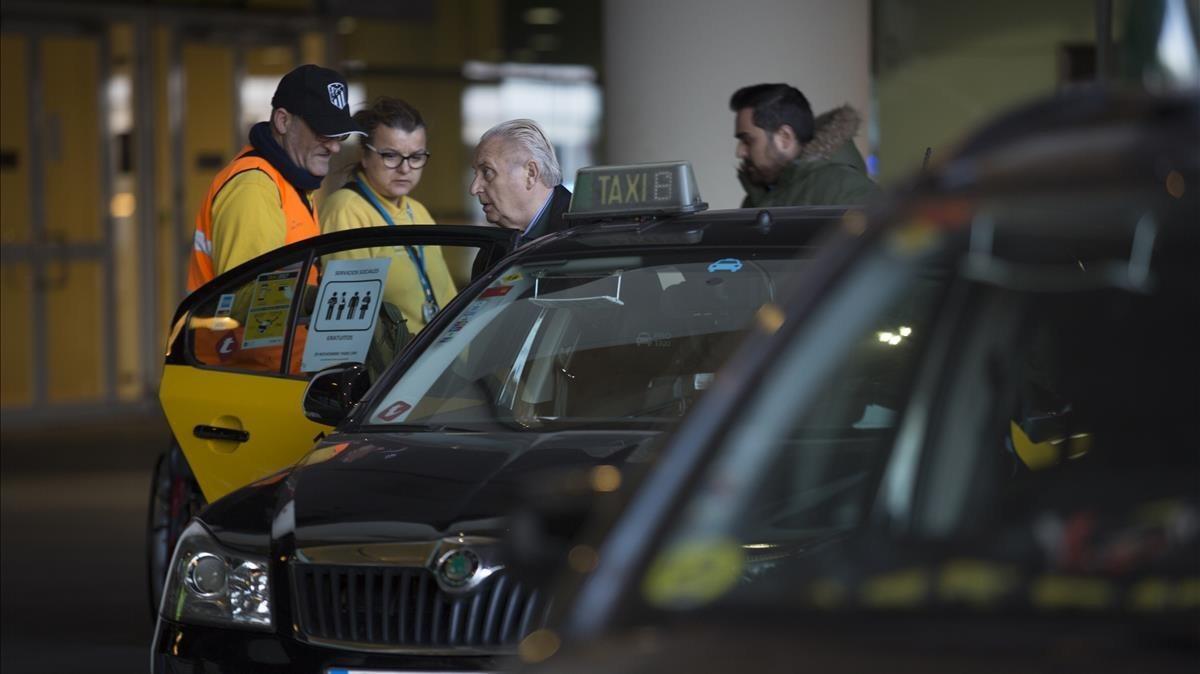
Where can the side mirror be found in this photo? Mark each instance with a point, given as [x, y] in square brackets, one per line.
[334, 391]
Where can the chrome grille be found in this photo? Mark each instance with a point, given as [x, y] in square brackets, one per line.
[404, 606]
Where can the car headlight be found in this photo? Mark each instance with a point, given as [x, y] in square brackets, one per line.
[209, 584]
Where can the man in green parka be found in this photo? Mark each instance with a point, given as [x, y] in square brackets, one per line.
[790, 159]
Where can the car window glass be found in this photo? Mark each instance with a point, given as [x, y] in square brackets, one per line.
[244, 326]
[1093, 468]
[369, 302]
[1075, 483]
[372, 301]
[789, 479]
[626, 340]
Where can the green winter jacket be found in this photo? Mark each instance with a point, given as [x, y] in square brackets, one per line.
[829, 171]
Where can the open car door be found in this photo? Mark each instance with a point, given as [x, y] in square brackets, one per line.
[244, 345]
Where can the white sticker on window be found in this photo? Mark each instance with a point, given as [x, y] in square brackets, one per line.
[225, 304]
[344, 316]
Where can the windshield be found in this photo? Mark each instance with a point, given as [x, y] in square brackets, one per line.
[627, 340]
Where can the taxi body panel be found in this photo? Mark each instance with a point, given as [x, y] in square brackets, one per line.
[239, 419]
[193, 397]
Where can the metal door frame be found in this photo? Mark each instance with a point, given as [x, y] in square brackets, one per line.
[35, 21]
[43, 254]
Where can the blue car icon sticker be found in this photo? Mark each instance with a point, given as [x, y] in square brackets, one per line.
[725, 264]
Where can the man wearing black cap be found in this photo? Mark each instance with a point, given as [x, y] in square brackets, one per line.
[263, 199]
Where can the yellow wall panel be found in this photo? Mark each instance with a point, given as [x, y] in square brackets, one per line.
[14, 138]
[208, 122]
[461, 30]
[120, 43]
[76, 317]
[71, 140]
[16, 335]
[312, 49]
[129, 276]
[269, 61]
[170, 252]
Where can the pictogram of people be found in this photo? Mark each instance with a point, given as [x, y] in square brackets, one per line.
[342, 306]
[362, 310]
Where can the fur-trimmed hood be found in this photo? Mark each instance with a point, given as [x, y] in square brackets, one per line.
[831, 131]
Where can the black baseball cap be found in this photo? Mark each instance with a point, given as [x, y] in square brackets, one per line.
[321, 98]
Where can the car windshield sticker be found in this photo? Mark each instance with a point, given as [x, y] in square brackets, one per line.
[406, 395]
[270, 301]
[225, 305]
[394, 410]
[693, 573]
[725, 264]
[496, 291]
[344, 316]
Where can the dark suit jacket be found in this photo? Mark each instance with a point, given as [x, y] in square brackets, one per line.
[551, 219]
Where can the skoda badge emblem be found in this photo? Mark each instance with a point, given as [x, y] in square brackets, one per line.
[458, 567]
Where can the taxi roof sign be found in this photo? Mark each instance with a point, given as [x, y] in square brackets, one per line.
[661, 188]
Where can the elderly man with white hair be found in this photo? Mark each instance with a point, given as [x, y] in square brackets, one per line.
[518, 181]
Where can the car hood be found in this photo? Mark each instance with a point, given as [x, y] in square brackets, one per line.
[364, 487]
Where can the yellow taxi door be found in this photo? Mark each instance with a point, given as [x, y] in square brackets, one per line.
[227, 392]
[244, 346]
[235, 428]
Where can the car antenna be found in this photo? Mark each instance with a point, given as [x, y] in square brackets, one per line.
[763, 221]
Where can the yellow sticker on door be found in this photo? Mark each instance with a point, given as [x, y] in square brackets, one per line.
[274, 289]
[264, 327]
[693, 573]
[270, 303]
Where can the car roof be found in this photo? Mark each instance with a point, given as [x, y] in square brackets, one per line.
[1085, 140]
[746, 227]
[1088, 169]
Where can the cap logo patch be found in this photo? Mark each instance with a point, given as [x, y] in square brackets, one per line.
[337, 95]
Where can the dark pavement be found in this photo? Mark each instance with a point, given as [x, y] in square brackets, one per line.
[72, 554]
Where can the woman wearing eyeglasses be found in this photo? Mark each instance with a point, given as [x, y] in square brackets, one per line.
[376, 193]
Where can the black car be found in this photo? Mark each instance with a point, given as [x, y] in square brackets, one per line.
[972, 445]
[381, 549]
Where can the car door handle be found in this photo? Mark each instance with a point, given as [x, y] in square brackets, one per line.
[218, 433]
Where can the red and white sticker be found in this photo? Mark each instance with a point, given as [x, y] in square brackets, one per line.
[394, 410]
[498, 291]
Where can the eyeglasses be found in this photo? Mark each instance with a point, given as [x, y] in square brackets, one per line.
[393, 160]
